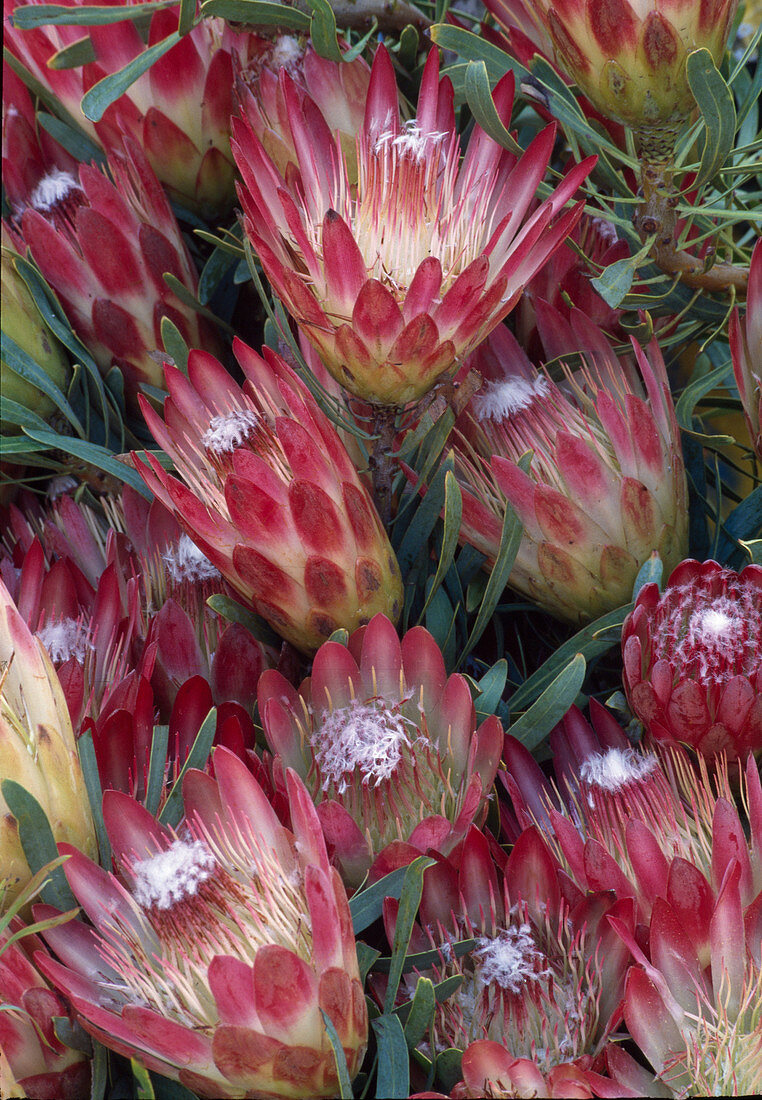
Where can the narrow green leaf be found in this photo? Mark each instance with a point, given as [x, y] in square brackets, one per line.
[753, 548]
[143, 1086]
[424, 518]
[393, 1076]
[743, 523]
[448, 1067]
[93, 455]
[366, 958]
[174, 345]
[99, 98]
[38, 842]
[79, 53]
[26, 367]
[491, 688]
[187, 16]
[74, 141]
[57, 15]
[482, 106]
[650, 572]
[697, 389]
[257, 13]
[323, 30]
[157, 768]
[564, 105]
[172, 810]
[11, 412]
[510, 540]
[366, 905]
[535, 724]
[615, 281]
[342, 1071]
[89, 765]
[715, 102]
[24, 898]
[17, 444]
[236, 613]
[590, 642]
[421, 1014]
[453, 513]
[410, 900]
[472, 47]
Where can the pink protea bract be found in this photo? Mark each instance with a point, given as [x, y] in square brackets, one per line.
[746, 349]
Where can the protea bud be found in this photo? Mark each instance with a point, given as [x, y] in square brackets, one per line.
[746, 349]
[178, 111]
[394, 280]
[104, 248]
[272, 497]
[337, 88]
[628, 56]
[692, 669]
[605, 487]
[37, 748]
[386, 742]
[217, 948]
[40, 1065]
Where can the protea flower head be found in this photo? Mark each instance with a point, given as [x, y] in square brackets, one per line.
[272, 498]
[39, 1065]
[104, 248]
[37, 748]
[178, 111]
[337, 88]
[214, 950]
[606, 485]
[396, 279]
[746, 349]
[692, 668]
[386, 743]
[628, 56]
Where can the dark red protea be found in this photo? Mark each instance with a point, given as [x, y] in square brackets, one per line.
[693, 659]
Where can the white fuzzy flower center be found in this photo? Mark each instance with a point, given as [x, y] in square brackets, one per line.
[65, 638]
[412, 141]
[187, 563]
[171, 876]
[286, 53]
[510, 960]
[615, 768]
[230, 430]
[500, 400]
[361, 737]
[52, 189]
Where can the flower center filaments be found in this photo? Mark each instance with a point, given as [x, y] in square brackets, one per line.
[65, 638]
[707, 636]
[500, 400]
[510, 960]
[186, 563]
[364, 738]
[57, 197]
[173, 875]
[617, 768]
[229, 431]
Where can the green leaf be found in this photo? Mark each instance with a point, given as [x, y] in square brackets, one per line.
[56, 15]
[187, 16]
[753, 548]
[546, 712]
[74, 141]
[38, 842]
[510, 540]
[650, 572]
[342, 1071]
[491, 688]
[449, 1068]
[26, 367]
[697, 389]
[93, 455]
[91, 775]
[410, 900]
[715, 102]
[564, 105]
[25, 897]
[96, 102]
[366, 905]
[590, 642]
[393, 1077]
[323, 30]
[174, 345]
[482, 106]
[471, 47]
[257, 13]
[424, 518]
[366, 958]
[79, 53]
[615, 281]
[421, 1014]
[453, 513]
[99, 1071]
[157, 768]
[743, 523]
[12, 412]
[236, 613]
[172, 810]
[143, 1086]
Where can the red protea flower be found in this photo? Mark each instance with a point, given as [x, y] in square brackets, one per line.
[215, 950]
[104, 248]
[746, 349]
[396, 279]
[606, 485]
[692, 669]
[178, 111]
[386, 743]
[272, 497]
[41, 1065]
[337, 88]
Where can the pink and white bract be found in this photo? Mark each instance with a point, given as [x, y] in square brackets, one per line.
[692, 668]
[387, 744]
[398, 278]
[272, 498]
[746, 349]
[215, 950]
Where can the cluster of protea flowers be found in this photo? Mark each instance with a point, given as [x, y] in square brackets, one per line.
[605, 487]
